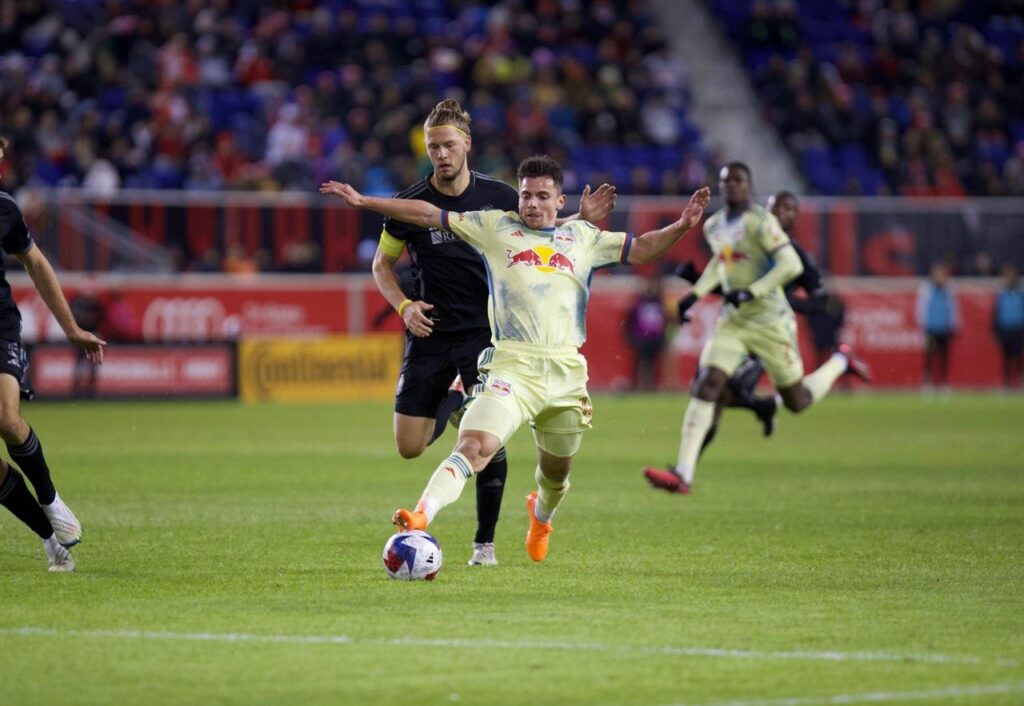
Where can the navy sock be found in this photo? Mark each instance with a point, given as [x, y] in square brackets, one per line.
[451, 403]
[490, 487]
[15, 496]
[29, 457]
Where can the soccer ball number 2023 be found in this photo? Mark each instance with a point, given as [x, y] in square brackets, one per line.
[412, 556]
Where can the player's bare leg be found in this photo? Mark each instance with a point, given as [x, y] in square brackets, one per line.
[817, 385]
[412, 434]
[472, 453]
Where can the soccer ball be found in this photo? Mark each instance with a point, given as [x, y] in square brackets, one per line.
[412, 556]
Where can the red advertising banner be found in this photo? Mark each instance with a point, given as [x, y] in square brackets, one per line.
[136, 371]
[880, 325]
[880, 320]
[201, 309]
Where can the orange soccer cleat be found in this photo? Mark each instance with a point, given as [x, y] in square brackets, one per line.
[409, 519]
[537, 537]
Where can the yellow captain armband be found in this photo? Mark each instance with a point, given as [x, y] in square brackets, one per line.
[390, 245]
[401, 307]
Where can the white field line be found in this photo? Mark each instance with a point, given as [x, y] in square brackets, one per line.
[881, 697]
[563, 646]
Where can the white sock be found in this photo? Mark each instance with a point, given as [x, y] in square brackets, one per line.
[696, 422]
[821, 380]
[445, 486]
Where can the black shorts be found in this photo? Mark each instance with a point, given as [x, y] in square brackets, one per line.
[937, 342]
[1012, 341]
[430, 364]
[14, 362]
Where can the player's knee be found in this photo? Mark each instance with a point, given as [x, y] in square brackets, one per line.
[12, 427]
[475, 450]
[410, 450]
[796, 399]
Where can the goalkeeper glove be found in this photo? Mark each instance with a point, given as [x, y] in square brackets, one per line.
[738, 296]
[684, 304]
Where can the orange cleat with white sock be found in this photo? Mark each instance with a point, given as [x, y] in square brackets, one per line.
[409, 519]
[537, 536]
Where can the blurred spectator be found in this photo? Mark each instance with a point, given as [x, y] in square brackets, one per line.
[937, 84]
[89, 312]
[939, 317]
[646, 324]
[211, 96]
[238, 261]
[122, 324]
[1008, 325]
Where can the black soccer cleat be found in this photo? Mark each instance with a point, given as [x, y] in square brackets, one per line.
[766, 409]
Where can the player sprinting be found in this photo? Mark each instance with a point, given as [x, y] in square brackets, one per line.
[539, 277]
[753, 259]
[46, 514]
[739, 391]
[446, 314]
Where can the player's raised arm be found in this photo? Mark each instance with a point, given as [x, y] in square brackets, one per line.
[419, 213]
[593, 206]
[651, 245]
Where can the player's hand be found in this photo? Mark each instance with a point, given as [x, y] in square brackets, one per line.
[597, 205]
[688, 271]
[351, 196]
[91, 344]
[738, 296]
[684, 305]
[416, 320]
[695, 209]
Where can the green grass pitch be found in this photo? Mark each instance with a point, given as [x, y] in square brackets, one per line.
[872, 552]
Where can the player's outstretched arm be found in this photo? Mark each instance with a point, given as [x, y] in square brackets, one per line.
[420, 213]
[593, 206]
[45, 280]
[653, 244]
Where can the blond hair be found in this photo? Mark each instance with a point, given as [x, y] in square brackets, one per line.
[448, 113]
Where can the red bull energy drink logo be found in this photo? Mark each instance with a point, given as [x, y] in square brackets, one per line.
[731, 256]
[541, 257]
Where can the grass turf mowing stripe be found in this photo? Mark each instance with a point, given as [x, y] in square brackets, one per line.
[881, 697]
[829, 655]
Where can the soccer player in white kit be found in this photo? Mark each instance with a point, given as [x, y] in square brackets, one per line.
[539, 279]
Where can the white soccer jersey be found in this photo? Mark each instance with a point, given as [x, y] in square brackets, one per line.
[539, 279]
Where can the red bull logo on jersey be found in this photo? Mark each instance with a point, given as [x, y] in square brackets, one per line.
[500, 387]
[541, 257]
[730, 256]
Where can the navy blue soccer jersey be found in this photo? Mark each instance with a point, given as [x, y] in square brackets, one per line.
[446, 272]
[15, 239]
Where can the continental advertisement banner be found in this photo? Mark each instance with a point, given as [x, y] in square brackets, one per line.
[329, 369]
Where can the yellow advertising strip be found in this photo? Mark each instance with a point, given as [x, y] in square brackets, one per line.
[328, 369]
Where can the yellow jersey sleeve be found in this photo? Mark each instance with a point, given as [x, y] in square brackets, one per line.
[474, 227]
[770, 234]
[609, 247]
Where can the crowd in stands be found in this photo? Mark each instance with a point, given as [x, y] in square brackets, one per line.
[280, 96]
[908, 97]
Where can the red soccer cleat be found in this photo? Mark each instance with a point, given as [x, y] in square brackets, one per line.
[667, 480]
[855, 365]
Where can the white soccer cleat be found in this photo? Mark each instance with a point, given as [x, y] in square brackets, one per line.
[483, 554]
[66, 526]
[58, 558]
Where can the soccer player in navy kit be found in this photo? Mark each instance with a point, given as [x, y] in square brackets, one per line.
[446, 314]
[46, 514]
